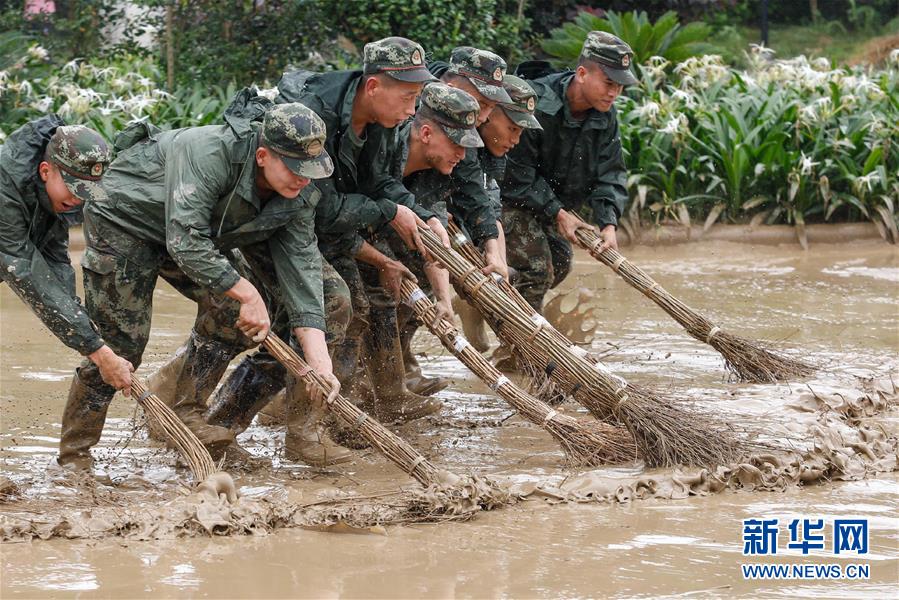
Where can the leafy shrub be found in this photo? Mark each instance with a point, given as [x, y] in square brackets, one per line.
[666, 37]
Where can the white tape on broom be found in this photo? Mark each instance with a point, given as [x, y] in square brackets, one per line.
[416, 295]
[460, 239]
[578, 351]
[552, 414]
[539, 320]
[500, 381]
[712, 332]
[460, 343]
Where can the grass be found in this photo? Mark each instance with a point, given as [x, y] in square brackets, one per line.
[831, 39]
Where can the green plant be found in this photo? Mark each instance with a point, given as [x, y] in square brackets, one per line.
[666, 37]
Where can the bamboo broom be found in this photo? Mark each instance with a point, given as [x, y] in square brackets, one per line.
[390, 445]
[667, 432]
[541, 385]
[193, 451]
[747, 359]
[586, 443]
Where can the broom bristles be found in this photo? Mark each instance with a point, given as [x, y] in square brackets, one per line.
[747, 359]
[397, 450]
[659, 425]
[190, 447]
[584, 443]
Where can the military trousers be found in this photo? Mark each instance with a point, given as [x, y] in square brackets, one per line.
[540, 256]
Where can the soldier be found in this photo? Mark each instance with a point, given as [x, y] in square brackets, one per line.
[427, 151]
[482, 170]
[47, 171]
[224, 214]
[360, 110]
[574, 160]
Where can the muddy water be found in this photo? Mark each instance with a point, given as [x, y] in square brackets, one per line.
[836, 305]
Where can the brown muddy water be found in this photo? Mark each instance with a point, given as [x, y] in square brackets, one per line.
[835, 305]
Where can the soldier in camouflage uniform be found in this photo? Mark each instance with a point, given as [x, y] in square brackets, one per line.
[360, 110]
[575, 160]
[480, 172]
[224, 214]
[427, 152]
[47, 171]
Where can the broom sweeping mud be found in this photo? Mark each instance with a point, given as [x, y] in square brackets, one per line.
[667, 432]
[747, 359]
[166, 421]
[586, 443]
[393, 447]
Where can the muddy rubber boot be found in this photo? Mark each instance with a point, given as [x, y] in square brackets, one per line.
[82, 424]
[205, 362]
[473, 326]
[248, 389]
[384, 362]
[307, 440]
[416, 381]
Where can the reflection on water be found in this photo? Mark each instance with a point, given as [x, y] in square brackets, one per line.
[834, 305]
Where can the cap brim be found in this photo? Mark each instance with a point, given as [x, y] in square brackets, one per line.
[522, 119]
[492, 92]
[84, 189]
[467, 138]
[417, 75]
[319, 167]
[620, 76]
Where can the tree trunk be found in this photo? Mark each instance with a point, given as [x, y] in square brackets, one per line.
[813, 7]
[170, 46]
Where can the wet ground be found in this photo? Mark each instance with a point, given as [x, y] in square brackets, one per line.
[835, 305]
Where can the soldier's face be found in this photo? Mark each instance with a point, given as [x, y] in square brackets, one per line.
[441, 153]
[61, 199]
[276, 176]
[599, 90]
[392, 101]
[500, 134]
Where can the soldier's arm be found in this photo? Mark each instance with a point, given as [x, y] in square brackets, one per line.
[30, 276]
[195, 178]
[298, 267]
[523, 186]
[470, 202]
[608, 192]
[339, 213]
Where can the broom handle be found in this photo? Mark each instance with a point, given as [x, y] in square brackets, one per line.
[198, 458]
[397, 450]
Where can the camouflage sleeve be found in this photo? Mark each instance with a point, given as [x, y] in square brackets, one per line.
[340, 213]
[523, 186]
[608, 193]
[38, 284]
[298, 266]
[470, 202]
[195, 178]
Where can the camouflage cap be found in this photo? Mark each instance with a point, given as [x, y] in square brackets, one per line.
[455, 110]
[82, 156]
[297, 135]
[398, 57]
[485, 70]
[612, 54]
[524, 102]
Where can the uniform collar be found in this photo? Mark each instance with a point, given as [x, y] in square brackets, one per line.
[346, 107]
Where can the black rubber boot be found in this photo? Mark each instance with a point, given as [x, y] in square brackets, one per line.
[248, 389]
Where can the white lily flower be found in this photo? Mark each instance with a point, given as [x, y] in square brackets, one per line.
[806, 164]
[42, 104]
[37, 52]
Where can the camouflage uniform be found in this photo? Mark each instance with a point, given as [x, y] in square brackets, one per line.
[351, 201]
[34, 239]
[570, 163]
[184, 205]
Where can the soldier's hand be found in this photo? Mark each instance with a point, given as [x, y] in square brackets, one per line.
[609, 238]
[436, 226]
[568, 224]
[444, 310]
[406, 224]
[320, 396]
[496, 262]
[115, 370]
[391, 275]
[253, 320]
